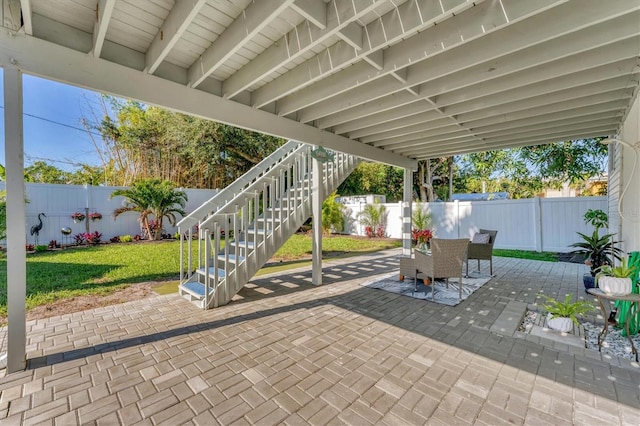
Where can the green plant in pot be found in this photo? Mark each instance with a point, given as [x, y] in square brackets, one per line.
[562, 315]
[616, 280]
[596, 250]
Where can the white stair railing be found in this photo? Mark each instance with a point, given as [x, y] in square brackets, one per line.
[256, 222]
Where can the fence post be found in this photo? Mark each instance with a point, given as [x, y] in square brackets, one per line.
[537, 223]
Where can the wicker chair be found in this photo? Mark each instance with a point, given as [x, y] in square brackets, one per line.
[482, 251]
[446, 261]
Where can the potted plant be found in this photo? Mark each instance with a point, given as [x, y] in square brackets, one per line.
[596, 250]
[95, 216]
[616, 280]
[77, 217]
[563, 315]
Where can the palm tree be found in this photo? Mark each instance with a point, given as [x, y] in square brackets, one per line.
[374, 216]
[152, 197]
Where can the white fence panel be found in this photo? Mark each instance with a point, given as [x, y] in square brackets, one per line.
[563, 218]
[59, 202]
[543, 224]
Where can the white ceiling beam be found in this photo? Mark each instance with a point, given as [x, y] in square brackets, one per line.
[546, 128]
[416, 131]
[104, 10]
[375, 59]
[352, 34]
[431, 117]
[11, 14]
[27, 16]
[615, 87]
[297, 42]
[313, 11]
[609, 109]
[443, 58]
[495, 145]
[610, 58]
[179, 19]
[388, 103]
[414, 17]
[544, 93]
[610, 118]
[465, 84]
[408, 141]
[246, 26]
[378, 89]
[59, 63]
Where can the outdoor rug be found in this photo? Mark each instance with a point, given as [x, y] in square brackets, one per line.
[443, 295]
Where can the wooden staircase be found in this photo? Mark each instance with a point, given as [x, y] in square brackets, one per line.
[230, 237]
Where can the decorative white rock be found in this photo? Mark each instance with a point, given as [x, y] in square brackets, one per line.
[561, 324]
[615, 286]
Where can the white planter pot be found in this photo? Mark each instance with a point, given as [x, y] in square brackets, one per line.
[561, 324]
[615, 286]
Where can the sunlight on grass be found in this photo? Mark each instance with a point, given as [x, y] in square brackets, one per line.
[103, 269]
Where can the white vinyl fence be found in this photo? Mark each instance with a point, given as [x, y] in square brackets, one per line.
[59, 202]
[541, 224]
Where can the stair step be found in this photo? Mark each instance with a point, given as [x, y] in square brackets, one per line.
[232, 257]
[258, 231]
[195, 289]
[249, 244]
[212, 271]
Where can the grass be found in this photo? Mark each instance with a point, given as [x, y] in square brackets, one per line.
[103, 269]
[526, 254]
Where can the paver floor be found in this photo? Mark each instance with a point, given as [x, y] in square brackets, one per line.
[287, 352]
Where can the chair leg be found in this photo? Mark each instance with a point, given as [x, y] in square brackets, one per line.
[460, 289]
[415, 281]
[478, 265]
[433, 288]
[467, 270]
[491, 266]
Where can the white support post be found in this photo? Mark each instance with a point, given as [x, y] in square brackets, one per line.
[316, 211]
[16, 216]
[537, 222]
[406, 212]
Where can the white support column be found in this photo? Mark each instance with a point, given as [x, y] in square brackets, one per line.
[406, 212]
[316, 212]
[16, 236]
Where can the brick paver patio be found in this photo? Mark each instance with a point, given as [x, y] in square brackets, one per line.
[288, 352]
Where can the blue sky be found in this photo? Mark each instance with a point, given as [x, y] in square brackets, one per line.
[53, 129]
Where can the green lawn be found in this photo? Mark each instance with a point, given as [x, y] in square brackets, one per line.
[103, 269]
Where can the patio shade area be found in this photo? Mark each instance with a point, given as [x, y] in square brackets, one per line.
[390, 81]
[287, 352]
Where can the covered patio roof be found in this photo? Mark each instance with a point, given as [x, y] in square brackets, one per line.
[389, 80]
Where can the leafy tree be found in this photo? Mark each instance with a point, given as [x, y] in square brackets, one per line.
[152, 197]
[144, 141]
[332, 214]
[43, 172]
[374, 178]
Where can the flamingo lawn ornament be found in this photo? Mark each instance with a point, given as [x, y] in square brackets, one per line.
[35, 229]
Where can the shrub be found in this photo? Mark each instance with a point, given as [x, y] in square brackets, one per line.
[30, 247]
[137, 237]
[53, 244]
[80, 238]
[115, 239]
[374, 219]
[332, 214]
[94, 238]
[126, 238]
[41, 247]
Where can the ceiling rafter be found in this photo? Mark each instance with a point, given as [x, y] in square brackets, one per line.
[482, 21]
[27, 16]
[477, 82]
[297, 42]
[313, 11]
[179, 19]
[104, 10]
[250, 22]
[381, 33]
